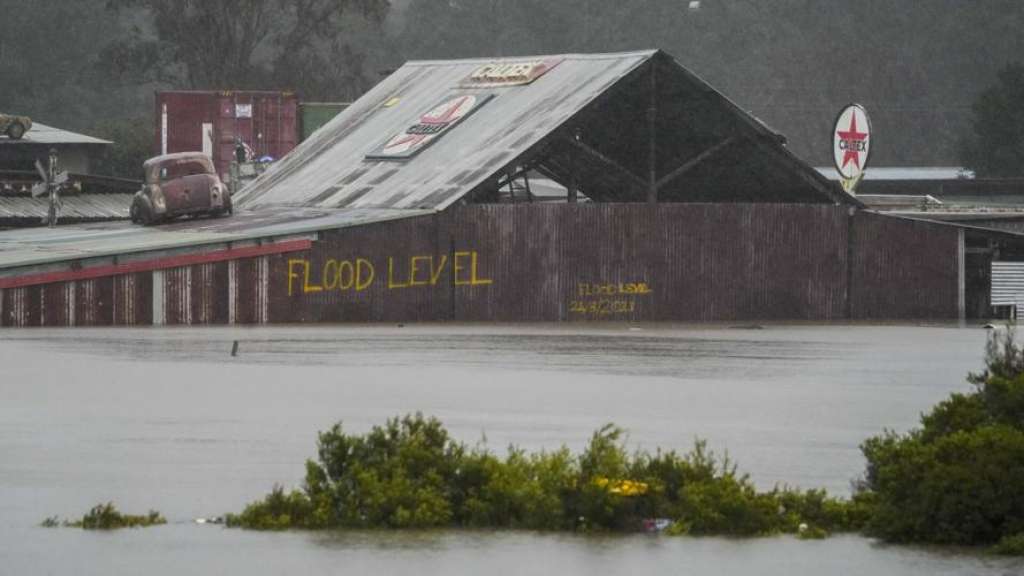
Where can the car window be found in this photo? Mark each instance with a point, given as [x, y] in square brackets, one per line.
[182, 169]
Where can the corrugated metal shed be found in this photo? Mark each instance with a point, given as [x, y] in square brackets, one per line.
[43, 134]
[601, 119]
[540, 262]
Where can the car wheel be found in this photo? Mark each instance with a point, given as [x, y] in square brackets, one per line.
[133, 213]
[15, 131]
[145, 216]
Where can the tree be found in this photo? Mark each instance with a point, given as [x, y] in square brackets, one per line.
[49, 67]
[133, 144]
[996, 145]
[242, 44]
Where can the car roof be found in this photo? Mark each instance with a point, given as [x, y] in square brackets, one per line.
[175, 157]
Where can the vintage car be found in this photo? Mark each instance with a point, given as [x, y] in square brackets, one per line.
[14, 126]
[179, 184]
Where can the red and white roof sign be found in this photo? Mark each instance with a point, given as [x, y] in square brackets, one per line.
[431, 125]
[505, 73]
[851, 141]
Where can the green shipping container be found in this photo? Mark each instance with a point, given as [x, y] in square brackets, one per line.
[316, 114]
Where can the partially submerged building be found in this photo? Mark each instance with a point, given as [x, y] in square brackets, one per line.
[78, 152]
[414, 204]
[87, 198]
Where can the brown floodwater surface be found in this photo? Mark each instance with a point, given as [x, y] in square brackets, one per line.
[166, 418]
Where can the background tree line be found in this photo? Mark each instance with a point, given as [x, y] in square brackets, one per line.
[918, 67]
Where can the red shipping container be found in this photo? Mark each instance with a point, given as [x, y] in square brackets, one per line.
[211, 122]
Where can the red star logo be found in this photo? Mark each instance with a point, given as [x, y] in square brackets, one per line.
[852, 139]
[445, 117]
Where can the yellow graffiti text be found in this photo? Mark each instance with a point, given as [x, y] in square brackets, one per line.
[428, 270]
[602, 299]
[460, 268]
[339, 275]
[588, 289]
[602, 307]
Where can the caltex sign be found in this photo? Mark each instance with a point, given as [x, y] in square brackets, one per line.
[430, 126]
[506, 73]
[851, 144]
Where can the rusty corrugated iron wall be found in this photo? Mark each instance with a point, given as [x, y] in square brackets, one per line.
[904, 268]
[584, 262]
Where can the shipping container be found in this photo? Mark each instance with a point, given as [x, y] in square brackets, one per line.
[211, 122]
[316, 114]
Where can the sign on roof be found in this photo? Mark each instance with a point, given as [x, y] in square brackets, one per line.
[498, 74]
[431, 125]
[851, 143]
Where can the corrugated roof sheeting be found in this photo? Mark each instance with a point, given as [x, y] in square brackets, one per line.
[587, 114]
[75, 207]
[38, 246]
[330, 170]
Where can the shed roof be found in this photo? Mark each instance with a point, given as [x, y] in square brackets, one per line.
[586, 119]
[18, 209]
[42, 134]
[33, 247]
[915, 173]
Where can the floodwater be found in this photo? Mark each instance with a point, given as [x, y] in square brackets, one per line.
[168, 419]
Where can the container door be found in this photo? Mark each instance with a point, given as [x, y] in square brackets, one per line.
[224, 135]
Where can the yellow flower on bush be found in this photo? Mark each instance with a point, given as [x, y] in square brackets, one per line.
[622, 487]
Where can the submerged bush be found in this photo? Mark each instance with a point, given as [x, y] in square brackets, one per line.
[107, 517]
[1010, 545]
[50, 522]
[959, 479]
[410, 473]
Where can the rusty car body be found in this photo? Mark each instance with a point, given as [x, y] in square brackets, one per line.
[184, 183]
[14, 126]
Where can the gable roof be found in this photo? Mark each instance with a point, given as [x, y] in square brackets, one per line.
[40, 134]
[585, 119]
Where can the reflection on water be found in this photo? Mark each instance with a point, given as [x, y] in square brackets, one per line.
[167, 419]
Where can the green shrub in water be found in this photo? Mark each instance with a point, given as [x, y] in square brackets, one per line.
[107, 517]
[410, 473]
[1010, 545]
[959, 479]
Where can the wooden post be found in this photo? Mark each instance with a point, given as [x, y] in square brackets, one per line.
[574, 182]
[961, 264]
[652, 133]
